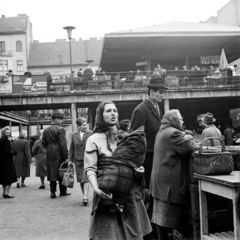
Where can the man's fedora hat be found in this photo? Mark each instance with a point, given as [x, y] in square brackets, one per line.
[156, 82]
[208, 118]
[57, 115]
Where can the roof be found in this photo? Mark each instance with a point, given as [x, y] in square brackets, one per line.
[183, 28]
[57, 53]
[13, 24]
[168, 42]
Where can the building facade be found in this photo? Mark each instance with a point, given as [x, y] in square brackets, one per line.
[15, 43]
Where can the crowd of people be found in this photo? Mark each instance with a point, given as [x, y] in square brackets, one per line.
[151, 150]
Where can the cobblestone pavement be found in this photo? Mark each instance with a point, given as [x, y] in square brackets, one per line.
[33, 215]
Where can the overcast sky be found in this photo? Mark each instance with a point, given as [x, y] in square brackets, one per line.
[95, 18]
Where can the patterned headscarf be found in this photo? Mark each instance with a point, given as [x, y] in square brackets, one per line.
[171, 119]
[102, 127]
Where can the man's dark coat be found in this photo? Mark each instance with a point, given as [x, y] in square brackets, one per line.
[56, 145]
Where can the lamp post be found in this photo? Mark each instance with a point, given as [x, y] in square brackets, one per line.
[69, 31]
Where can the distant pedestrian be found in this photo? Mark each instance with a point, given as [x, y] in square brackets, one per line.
[39, 151]
[7, 168]
[210, 131]
[88, 76]
[22, 160]
[228, 135]
[54, 141]
[76, 155]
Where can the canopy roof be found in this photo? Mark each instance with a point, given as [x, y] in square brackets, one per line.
[169, 41]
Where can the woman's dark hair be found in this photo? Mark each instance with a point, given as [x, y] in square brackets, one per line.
[124, 124]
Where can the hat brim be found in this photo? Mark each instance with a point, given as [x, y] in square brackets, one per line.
[214, 120]
[157, 86]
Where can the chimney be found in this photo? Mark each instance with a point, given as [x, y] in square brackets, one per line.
[3, 16]
[22, 15]
[35, 41]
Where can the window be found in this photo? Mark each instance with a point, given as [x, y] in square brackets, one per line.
[1, 65]
[5, 65]
[20, 66]
[18, 46]
[2, 47]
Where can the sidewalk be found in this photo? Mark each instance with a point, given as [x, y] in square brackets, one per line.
[33, 215]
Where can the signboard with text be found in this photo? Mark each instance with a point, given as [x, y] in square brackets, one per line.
[210, 59]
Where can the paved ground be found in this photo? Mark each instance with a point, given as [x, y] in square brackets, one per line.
[33, 215]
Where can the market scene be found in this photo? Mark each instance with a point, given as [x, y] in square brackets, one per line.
[134, 135]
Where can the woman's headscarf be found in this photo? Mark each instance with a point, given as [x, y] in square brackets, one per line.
[3, 130]
[171, 119]
[101, 126]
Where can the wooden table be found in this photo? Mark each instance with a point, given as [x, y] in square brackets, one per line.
[222, 185]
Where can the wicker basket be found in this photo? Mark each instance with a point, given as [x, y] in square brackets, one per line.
[63, 168]
[213, 163]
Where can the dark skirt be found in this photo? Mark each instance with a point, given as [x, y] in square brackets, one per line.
[80, 174]
[111, 225]
[7, 172]
[167, 214]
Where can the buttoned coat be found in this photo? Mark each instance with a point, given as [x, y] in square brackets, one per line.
[77, 146]
[54, 141]
[169, 173]
[23, 159]
[145, 114]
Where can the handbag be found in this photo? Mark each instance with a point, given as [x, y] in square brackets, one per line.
[68, 178]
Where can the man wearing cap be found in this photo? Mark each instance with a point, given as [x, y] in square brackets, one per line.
[54, 141]
[210, 131]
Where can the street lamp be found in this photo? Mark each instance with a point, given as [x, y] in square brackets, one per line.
[69, 31]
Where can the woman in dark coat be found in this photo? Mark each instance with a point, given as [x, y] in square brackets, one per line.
[7, 169]
[76, 155]
[23, 159]
[39, 151]
[169, 180]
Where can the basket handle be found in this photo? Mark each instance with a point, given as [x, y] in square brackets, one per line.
[223, 144]
[62, 164]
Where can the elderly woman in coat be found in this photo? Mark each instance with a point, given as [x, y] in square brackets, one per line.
[41, 159]
[23, 159]
[76, 155]
[7, 169]
[169, 180]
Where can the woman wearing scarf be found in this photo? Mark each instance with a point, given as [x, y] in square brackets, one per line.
[169, 180]
[23, 159]
[109, 221]
[7, 169]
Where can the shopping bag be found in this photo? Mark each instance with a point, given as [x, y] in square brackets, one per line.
[68, 179]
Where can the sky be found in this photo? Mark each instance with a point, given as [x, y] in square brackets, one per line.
[95, 18]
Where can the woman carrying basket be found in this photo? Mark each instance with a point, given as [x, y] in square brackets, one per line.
[109, 220]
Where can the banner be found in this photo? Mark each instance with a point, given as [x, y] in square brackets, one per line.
[6, 84]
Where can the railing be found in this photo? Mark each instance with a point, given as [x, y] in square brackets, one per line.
[122, 81]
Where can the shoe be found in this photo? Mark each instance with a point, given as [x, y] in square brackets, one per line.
[65, 194]
[18, 185]
[53, 195]
[85, 202]
[7, 196]
[23, 185]
[41, 187]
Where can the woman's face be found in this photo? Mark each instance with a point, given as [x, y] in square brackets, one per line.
[83, 127]
[110, 114]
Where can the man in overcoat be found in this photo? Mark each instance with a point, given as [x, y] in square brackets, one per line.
[54, 141]
[148, 114]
